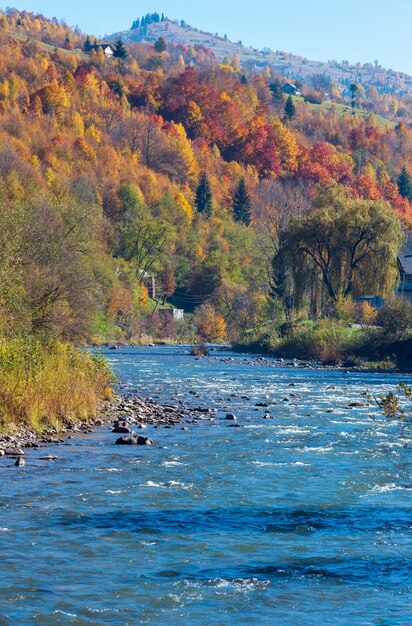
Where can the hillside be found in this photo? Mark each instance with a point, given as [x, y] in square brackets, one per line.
[161, 168]
[289, 65]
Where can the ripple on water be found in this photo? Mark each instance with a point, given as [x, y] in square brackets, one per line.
[285, 521]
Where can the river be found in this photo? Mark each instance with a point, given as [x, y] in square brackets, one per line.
[304, 518]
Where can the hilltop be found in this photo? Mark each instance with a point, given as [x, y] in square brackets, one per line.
[289, 65]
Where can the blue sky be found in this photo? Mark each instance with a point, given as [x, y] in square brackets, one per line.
[355, 30]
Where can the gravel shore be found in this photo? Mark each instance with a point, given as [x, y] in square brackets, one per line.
[125, 414]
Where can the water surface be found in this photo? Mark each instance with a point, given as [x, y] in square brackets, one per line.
[300, 519]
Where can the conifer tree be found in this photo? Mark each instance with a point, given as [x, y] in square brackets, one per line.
[204, 196]
[160, 45]
[241, 204]
[87, 45]
[120, 51]
[290, 109]
[405, 184]
[276, 91]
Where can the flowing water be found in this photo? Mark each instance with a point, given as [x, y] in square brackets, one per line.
[301, 519]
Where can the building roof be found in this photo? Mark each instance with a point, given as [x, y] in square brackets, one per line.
[405, 255]
[102, 45]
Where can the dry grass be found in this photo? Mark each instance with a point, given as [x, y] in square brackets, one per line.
[43, 388]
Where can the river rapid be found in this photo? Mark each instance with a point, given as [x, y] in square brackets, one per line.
[302, 515]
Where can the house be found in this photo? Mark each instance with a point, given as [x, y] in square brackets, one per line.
[177, 315]
[405, 269]
[108, 50]
[291, 90]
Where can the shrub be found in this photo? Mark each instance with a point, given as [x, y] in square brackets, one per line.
[201, 350]
[49, 387]
[395, 318]
[328, 339]
[366, 314]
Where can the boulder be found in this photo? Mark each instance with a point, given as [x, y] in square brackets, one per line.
[134, 441]
[121, 429]
[231, 417]
[14, 451]
[20, 462]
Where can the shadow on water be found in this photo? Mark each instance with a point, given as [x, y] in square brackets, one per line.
[245, 519]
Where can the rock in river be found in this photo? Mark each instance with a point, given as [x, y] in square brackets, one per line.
[134, 441]
[231, 417]
[14, 451]
[20, 462]
[122, 429]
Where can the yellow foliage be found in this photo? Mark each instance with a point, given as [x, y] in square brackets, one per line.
[288, 147]
[194, 113]
[184, 205]
[368, 314]
[87, 150]
[78, 124]
[345, 309]
[50, 176]
[209, 323]
[35, 161]
[44, 387]
[94, 133]
[226, 68]
[4, 90]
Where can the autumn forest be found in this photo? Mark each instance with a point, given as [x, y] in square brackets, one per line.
[161, 178]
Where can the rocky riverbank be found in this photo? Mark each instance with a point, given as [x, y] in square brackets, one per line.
[127, 416]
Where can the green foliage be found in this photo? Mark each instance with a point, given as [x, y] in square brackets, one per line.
[329, 340]
[160, 45]
[143, 239]
[242, 204]
[290, 109]
[405, 184]
[120, 51]
[346, 247]
[204, 196]
[395, 318]
[277, 91]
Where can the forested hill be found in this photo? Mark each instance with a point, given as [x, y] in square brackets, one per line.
[161, 165]
[152, 26]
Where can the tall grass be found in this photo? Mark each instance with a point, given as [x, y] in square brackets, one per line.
[53, 386]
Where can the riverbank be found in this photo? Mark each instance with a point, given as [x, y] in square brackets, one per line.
[124, 414]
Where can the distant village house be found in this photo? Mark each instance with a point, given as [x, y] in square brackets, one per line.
[108, 50]
[176, 315]
[291, 90]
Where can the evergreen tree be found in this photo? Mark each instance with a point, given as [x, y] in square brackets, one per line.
[120, 51]
[405, 184]
[290, 109]
[87, 45]
[204, 196]
[276, 91]
[160, 45]
[241, 204]
[353, 90]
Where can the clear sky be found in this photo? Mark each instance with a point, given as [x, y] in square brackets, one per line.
[354, 30]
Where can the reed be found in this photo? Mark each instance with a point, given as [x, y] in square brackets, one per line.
[53, 386]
